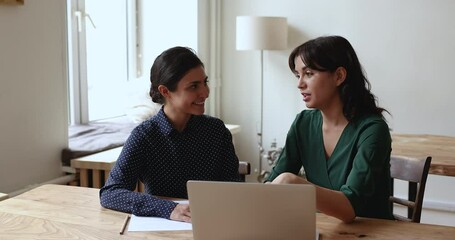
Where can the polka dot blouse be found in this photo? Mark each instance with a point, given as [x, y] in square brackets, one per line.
[164, 160]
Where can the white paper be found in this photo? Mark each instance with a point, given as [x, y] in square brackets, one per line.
[157, 224]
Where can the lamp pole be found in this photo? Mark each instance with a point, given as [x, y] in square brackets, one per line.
[261, 33]
[261, 127]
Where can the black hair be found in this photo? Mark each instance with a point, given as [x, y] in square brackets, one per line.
[327, 54]
[169, 68]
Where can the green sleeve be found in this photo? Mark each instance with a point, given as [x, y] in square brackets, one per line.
[370, 167]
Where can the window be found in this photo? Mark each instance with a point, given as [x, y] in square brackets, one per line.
[112, 46]
[101, 53]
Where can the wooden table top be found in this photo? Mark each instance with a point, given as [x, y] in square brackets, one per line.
[440, 148]
[69, 212]
[104, 160]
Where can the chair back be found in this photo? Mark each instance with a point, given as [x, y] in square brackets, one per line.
[244, 169]
[415, 172]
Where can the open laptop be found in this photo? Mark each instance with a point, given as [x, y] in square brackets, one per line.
[229, 210]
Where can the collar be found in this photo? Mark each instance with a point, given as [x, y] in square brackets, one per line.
[166, 126]
[163, 123]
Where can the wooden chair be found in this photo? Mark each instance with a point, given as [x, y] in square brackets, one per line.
[415, 171]
[244, 169]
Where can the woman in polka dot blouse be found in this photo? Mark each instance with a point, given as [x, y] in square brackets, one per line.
[178, 144]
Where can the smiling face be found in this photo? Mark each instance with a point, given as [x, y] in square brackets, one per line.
[189, 96]
[318, 88]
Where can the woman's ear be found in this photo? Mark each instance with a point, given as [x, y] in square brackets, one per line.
[163, 90]
[340, 75]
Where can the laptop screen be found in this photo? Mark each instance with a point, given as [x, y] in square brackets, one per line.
[229, 210]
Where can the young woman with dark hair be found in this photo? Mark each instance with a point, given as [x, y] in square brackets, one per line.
[178, 144]
[342, 142]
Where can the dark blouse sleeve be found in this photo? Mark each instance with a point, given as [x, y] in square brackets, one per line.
[230, 168]
[118, 192]
[369, 166]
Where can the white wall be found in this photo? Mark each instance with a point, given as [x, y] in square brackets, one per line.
[33, 108]
[406, 48]
[167, 24]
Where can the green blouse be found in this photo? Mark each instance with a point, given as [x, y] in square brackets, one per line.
[359, 165]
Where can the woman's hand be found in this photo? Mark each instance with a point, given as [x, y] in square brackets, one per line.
[289, 178]
[181, 213]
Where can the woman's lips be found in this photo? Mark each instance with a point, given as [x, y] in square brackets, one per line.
[306, 97]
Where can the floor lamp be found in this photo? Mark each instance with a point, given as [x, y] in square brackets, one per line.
[261, 33]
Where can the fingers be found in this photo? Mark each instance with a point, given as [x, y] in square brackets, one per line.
[289, 178]
[186, 219]
[181, 213]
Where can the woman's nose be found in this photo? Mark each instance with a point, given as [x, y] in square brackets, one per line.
[301, 83]
[205, 91]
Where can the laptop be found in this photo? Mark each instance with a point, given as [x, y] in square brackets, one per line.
[233, 210]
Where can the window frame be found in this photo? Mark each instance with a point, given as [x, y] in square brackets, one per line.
[208, 47]
[77, 56]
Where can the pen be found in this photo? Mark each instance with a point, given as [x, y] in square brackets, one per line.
[124, 224]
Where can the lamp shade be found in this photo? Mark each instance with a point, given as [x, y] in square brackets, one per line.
[261, 33]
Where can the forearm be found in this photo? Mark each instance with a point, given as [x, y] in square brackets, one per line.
[330, 202]
[334, 203]
[140, 204]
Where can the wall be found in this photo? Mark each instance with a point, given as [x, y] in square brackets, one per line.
[33, 125]
[406, 48]
[165, 25]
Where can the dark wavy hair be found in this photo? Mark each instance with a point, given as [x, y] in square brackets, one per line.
[327, 54]
[169, 68]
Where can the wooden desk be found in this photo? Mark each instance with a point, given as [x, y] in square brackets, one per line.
[98, 165]
[440, 148]
[94, 169]
[63, 212]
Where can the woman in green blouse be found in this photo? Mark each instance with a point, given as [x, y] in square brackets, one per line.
[343, 142]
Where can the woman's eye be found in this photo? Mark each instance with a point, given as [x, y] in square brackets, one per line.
[308, 73]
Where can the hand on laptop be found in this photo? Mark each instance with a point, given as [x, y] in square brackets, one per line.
[181, 213]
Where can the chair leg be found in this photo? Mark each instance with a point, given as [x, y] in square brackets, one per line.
[412, 193]
[391, 193]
